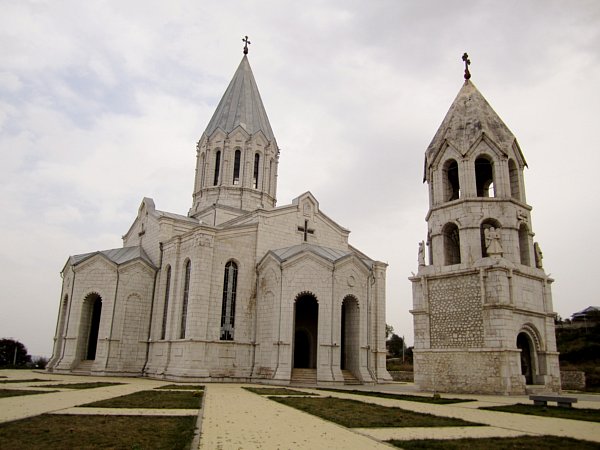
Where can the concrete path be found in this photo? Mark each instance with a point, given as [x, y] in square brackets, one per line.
[233, 418]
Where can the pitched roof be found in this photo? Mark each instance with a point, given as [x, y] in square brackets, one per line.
[117, 255]
[330, 254]
[241, 105]
[468, 118]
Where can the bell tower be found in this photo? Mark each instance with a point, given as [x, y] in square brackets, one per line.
[482, 302]
[237, 155]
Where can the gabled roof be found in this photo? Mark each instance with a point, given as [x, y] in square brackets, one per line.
[468, 118]
[330, 254]
[117, 255]
[241, 106]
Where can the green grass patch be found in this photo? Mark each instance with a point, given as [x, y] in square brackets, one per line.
[29, 380]
[588, 415]
[522, 443]
[153, 400]
[410, 398]
[275, 391]
[81, 385]
[53, 431]
[183, 387]
[16, 392]
[355, 414]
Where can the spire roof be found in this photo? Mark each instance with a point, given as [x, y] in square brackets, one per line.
[241, 105]
[470, 117]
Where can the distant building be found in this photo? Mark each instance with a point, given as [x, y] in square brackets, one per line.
[591, 313]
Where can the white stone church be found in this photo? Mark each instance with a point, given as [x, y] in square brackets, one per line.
[239, 289]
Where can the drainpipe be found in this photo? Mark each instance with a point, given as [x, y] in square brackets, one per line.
[331, 348]
[369, 318]
[280, 304]
[160, 246]
[255, 323]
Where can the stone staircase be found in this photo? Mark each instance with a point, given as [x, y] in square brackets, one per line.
[84, 367]
[304, 376]
[349, 378]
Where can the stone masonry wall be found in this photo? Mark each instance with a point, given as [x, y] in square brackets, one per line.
[455, 312]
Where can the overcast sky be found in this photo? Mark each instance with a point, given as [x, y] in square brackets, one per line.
[102, 103]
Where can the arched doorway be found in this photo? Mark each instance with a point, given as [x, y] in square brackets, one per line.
[350, 335]
[93, 309]
[527, 358]
[306, 321]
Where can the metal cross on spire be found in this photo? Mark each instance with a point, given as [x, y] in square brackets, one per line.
[467, 61]
[246, 42]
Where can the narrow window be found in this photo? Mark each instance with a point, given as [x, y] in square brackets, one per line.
[202, 158]
[256, 166]
[513, 173]
[236, 167]
[228, 306]
[451, 244]
[451, 182]
[484, 177]
[217, 167]
[186, 294]
[270, 175]
[524, 245]
[163, 330]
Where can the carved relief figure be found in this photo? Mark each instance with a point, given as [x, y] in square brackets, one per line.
[492, 242]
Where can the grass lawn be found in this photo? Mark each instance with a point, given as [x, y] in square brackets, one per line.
[589, 415]
[81, 385]
[28, 380]
[191, 387]
[406, 397]
[522, 443]
[275, 391]
[15, 392]
[354, 414]
[153, 400]
[54, 431]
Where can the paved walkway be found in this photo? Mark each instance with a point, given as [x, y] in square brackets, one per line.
[233, 418]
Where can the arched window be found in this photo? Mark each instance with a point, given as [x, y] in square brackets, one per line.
[451, 244]
[513, 173]
[163, 330]
[256, 170]
[488, 224]
[236, 167]
[228, 306]
[270, 175]
[450, 182]
[186, 295]
[217, 167]
[484, 177]
[524, 245]
[202, 171]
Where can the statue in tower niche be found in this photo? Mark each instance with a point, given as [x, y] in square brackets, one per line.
[493, 246]
[421, 253]
[539, 256]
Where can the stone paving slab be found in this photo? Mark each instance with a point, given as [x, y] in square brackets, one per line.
[405, 434]
[237, 419]
[127, 411]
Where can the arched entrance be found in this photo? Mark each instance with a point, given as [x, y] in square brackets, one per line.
[350, 335]
[527, 357]
[306, 325]
[93, 311]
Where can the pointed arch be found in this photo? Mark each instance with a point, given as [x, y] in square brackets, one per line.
[484, 176]
[228, 304]
[186, 296]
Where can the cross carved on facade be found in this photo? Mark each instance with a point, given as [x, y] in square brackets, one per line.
[246, 42]
[467, 61]
[306, 230]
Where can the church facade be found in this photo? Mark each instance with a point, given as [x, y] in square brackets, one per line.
[482, 303]
[239, 289]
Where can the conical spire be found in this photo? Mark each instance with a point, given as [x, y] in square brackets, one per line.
[468, 118]
[241, 105]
